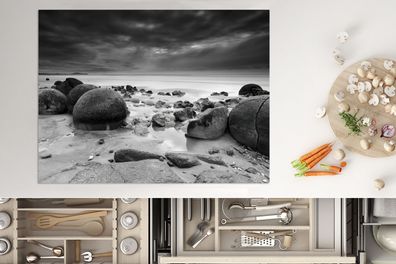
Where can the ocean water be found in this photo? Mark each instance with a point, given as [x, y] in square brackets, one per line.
[196, 84]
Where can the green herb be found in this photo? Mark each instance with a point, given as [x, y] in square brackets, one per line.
[352, 122]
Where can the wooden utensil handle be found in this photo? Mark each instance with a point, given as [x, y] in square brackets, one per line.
[104, 254]
[80, 216]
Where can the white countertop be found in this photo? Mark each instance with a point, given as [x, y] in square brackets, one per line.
[302, 70]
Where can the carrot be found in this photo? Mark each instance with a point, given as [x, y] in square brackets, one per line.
[343, 164]
[331, 168]
[320, 173]
[318, 158]
[316, 155]
[313, 152]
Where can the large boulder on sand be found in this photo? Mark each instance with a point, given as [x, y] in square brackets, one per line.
[248, 123]
[185, 114]
[51, 102]
[99, 109]
[252, 90]
[126, 155]
[210, 125]
[76, 93]
[66, 86]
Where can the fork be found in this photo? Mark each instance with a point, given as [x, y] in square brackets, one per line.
[48, 221]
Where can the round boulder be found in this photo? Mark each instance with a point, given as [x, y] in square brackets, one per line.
[210, 125]
[252, 90]
[99, 109]
[76, 93]
[51, 102]
[66, 86]
[248, 123]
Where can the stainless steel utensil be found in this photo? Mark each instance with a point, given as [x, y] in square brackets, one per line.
[89, 256]
[285, 216]
[241, 206]
[208, 233]
[56, 251]
[34, 258]
[201, 229]
[202, 209]
[208, 210]
[189, 209]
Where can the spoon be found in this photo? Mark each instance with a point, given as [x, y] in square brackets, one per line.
[57, 251]
[92, 228]
[34, 258]
[208, 233]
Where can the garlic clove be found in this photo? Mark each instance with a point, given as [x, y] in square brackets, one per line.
[375, 82]
[343, 107]
[389, 146]
[379, 184]
[365, 144]
[371, 74]
[363, 97]
[361, 72]
[389, 79]
[339, 154]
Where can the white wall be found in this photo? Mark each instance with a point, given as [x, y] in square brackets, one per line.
[302, 38]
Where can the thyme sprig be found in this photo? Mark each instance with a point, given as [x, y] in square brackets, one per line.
[352, 122]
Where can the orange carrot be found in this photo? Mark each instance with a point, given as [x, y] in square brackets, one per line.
[343, 164]
[331, 168]
[315, 156]
[313, 152]
[320, 173]
[318, 158]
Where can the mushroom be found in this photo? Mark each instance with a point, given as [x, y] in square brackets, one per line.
[343, 107]
[339, 154]
[374, 100]
[365, 143]
[339, 96]
[353, 79]
[390, 91]
[363, 97]
[338, 57]
[389, 79]
[361, 72]
[361, 86]
[393, 110]
[371, 74]
[365, 65]
[342, 37]
[320, 112]
[375, 82]
[384, 99]
[351, 88]
[366, 121]
[378, 91]
[388, 64]
[368, 86]
[389, 146]
[379, 184]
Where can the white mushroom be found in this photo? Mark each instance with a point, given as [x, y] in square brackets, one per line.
[320, 112]
[366, 121]
[342, 37]
[343, 107]
[393, 110]
[389, 146]
[361, 87]
[368, 86]
[384, 99]
[365, 65]
[338, 57]
[353, 79]
[370, 74]
[390, 91]
[339, 154]
[339, 96]
[374, 100]
[375, 82]
[363, 97]
[352, 88]
[379, 184]
[388, 64]
[389, 79]
[361, 72]
[365, 143]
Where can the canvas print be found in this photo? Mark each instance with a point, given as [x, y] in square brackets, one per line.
[153, 96]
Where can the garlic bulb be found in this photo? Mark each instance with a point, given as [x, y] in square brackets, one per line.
[339, 154]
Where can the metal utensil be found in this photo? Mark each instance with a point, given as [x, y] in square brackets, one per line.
[208, 233]
[47, 221]
[34, 258]
[285, 216]
[89, 256]
[202, 209]
[241, 206]
[201, 229]
[56, 251]
[208, 210]
[189, 209]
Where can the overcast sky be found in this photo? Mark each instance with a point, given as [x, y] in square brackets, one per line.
[115, 41]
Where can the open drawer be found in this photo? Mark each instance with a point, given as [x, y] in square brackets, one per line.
[310, 231]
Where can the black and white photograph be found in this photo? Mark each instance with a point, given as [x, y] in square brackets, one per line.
[153, 96]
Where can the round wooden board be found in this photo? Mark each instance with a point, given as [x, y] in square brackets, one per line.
[352, 142]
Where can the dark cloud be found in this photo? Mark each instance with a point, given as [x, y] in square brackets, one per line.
[126, 41]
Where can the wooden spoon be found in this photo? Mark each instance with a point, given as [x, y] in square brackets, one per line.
[92, 228]
[48, 221]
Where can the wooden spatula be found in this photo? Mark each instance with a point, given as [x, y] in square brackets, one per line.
[48, 221]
